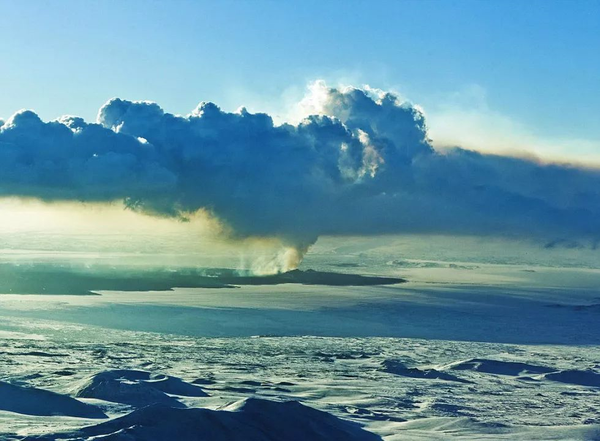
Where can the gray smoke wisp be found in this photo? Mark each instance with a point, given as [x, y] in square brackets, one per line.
[362, 165]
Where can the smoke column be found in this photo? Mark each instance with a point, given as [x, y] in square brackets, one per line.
[361, 163]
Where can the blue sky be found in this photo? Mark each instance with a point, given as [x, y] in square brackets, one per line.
[533, 66]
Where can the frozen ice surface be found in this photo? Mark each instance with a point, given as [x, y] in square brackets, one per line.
[486, 347]
[341, 376]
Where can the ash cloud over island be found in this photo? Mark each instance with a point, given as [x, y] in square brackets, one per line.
[361, 164]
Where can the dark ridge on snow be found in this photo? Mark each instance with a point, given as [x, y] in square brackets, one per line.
[35, 354]
[369, 414]
[594, 307]
[138, 388]
[251, 419]
[398, 368]
[588, 377]
[499, 367]
[40, 402]
[55, 279]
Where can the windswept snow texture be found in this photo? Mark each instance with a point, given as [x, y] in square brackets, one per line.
[345, 377]
[33, 401]
[247, 420]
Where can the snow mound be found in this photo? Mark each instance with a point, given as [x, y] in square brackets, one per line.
[498, 367]
[40, 402]
[138, 388]
[578, 377]
[247, 420]
[398, 368]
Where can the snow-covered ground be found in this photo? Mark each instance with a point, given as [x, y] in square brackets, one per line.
[501, 343]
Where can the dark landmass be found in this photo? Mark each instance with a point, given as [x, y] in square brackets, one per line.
[311, 277]
[54, 279]
[347, 265]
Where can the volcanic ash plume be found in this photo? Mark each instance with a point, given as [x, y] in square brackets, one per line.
[361, 164]
[284, 259]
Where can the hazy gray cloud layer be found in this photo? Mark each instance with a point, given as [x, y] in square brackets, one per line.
[363, 166]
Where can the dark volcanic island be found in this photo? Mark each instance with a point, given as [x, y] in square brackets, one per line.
[55, 279]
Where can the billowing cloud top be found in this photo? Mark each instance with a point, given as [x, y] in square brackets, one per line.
[363, 164]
